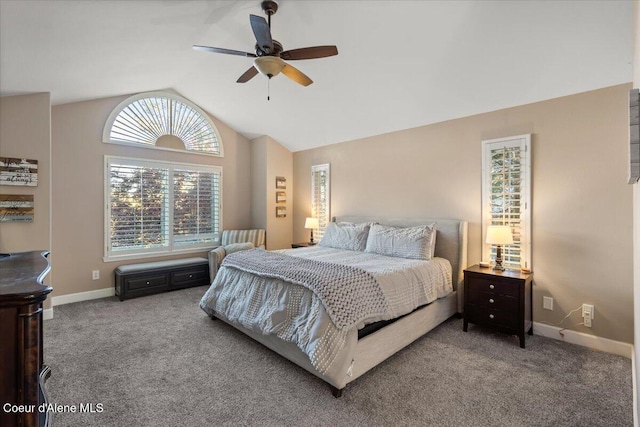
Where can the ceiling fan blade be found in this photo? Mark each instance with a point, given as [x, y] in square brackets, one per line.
[309, 52]
[221, 50]
[262, 32]
[248, 75]
[296, 75]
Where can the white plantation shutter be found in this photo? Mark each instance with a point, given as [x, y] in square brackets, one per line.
[506, 194]
[138, 203]
[320, 198]
[160, 207]
[144, 118]
[196, 199]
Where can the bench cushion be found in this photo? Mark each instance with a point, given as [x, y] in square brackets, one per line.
[132, 268]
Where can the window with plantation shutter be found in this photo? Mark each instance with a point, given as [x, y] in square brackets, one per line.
[196, 195]
[320, 198]
[155, 207]
[145, 118]
[506, 196]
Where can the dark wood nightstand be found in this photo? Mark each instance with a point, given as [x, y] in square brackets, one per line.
[498, 299]
[302, 245]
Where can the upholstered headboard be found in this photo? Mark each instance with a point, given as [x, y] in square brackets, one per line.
[451, 242]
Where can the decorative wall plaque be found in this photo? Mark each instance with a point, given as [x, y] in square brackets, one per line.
[16, 208]
[18, 172]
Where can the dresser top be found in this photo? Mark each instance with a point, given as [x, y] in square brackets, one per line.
[21, 275]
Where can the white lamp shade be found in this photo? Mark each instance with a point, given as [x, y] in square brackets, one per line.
[499, 235]
[269, 65]
[311, 223]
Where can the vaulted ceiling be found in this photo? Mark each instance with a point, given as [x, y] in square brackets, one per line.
[401, 64]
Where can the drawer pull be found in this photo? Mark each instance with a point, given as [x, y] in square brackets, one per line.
[190, 276]
[147, 282]
[491, 316]
[491, 287]
[491, 301]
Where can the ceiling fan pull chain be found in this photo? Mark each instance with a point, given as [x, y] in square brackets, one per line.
[268, 89]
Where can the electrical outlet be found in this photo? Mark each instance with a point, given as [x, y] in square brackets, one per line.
[547, 303]
[587, 314]
[95, 274]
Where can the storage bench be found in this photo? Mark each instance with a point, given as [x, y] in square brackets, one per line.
[148, 278]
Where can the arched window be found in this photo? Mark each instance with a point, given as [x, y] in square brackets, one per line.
[162, 120]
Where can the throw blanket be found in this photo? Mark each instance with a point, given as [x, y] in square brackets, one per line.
[350, 295]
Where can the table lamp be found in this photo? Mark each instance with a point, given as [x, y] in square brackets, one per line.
[499, 235]
[311, 224]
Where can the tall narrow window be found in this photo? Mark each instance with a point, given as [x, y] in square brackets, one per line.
[155, 207]
[320, 197]
[506, 196]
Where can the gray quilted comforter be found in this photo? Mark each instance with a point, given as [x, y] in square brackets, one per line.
[313, 315]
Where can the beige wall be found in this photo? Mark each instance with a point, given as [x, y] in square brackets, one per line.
[582, 206]
[269, 159]
[78, 190]
[25, 132]
[636, 216]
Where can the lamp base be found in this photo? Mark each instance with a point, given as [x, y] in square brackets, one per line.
[498, 266]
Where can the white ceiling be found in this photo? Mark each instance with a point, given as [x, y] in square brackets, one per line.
[401, 64]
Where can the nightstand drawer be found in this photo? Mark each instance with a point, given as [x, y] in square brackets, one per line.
[480, 284]
[490, 317]
[493, 301]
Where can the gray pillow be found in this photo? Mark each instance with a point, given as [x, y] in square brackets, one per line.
[346, 235]
[236, 247]
[403, 242]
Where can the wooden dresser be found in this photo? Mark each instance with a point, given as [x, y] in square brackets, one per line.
[22, 371]
[498, 299]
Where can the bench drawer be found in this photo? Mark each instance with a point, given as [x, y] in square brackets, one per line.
[192, 277]
[134, 284]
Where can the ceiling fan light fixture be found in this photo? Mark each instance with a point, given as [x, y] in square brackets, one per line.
[269, 65]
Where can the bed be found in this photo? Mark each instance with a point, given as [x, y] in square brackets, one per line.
[271, 297]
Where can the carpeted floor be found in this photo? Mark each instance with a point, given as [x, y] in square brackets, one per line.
[160, 361]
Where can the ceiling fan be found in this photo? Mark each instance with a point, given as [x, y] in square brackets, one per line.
[270, 54]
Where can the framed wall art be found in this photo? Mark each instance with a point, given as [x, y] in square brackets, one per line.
[281, 211]
[281, 197]
[281, 182]
[16, 208]
[21, 172]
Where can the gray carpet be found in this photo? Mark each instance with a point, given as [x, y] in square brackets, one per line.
[160, 361]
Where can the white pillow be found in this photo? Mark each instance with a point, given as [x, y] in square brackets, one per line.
[346, 235]
[404, 242]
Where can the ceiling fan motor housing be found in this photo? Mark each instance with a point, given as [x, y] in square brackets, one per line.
[269, 6]
[276, 51]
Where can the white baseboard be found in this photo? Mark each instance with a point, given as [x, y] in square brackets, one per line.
[585, 340]
[83, 296]
[77, 297]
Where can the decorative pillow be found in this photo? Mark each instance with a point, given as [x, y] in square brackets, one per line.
[404, 242]
[346, 235]
[237, 247]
